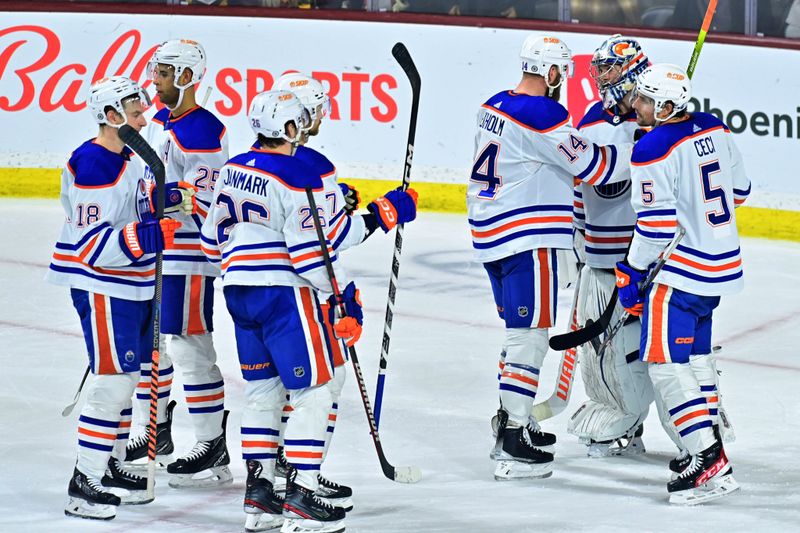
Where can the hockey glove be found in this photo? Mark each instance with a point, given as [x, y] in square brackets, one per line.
[351, 198]
[348, 327]
[629, 282]
[179, 197]
[395, 207]
[139, 238]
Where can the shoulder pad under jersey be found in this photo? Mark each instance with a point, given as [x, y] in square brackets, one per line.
[197, 130]
[537, 113]
[314, 159]
[660, 141]
[598, 114]
[95, 166]
[288, 170]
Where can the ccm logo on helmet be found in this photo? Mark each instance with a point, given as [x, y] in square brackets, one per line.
[675, 76]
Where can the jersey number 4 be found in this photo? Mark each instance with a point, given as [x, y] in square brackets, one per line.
[485, 171]
[243, 212]
[712, 194]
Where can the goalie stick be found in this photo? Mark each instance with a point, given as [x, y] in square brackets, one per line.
[135, 141]
[401, 474]
[400, 53]
[595, 329]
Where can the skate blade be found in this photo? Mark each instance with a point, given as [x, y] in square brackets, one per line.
[302, 525]
[509, 470]
[635, 448]
[263, 522]
[130, 497]
[141, 464]
[209, 478]
[82, 509]
[494, 455]
[713, 490]
[345, 503]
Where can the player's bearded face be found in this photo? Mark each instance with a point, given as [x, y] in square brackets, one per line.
[164, 80]
[645, 110]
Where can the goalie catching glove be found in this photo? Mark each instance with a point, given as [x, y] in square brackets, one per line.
[178, 197]
[629, 282]
[348, 327]
[395, 207]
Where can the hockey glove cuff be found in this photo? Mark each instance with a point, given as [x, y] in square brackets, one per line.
[629, 290]
[395, 207]
[351, 198]
[179, 197]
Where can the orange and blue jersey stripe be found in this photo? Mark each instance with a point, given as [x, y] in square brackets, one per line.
[690, 416]
[521, 379]
[657, 223]
[304, 454]
[704, 267]
[521, 222]
[259, 443]
[601, 167]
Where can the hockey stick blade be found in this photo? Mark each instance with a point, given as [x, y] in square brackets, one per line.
[407, 474]
[575, 338]
[68, 409]
[403, 58]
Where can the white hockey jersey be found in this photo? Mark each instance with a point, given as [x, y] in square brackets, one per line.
[520, 192]
[343, 231]
[690, 174]
[101, 192]
[193, 148]
[260, 228]
[604, 211]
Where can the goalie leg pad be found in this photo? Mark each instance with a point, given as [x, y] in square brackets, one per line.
[680, 393]
[519, 380]
[195, 357]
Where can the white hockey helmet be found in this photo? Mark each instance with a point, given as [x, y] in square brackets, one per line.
[664, 83]
[180, 54]
[114, 91]
[540, 52]
[270, 111]
[309, 91]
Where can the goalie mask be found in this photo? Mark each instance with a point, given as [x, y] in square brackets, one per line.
[180, 54]
[539, 53]
[270, 112]
[114, 92]
[665, 83]
[309, 91]
[620, 59]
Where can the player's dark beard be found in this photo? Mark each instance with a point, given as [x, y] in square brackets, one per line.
[170, 99]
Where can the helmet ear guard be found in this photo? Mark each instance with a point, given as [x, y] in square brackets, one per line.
[114, 92]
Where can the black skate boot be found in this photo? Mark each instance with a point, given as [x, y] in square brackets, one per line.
[136, 450]
[334, 493]
[87, 499]
[707, 477]
[135, 487]
[283, 470]
[540, 439]
[304, 511]
[263, 507]
[209, 455]
[517, 457]
[679, 463]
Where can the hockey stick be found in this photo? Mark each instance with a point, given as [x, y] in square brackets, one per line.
[559, 399]
[68, 409]
[400, 53]
[401, 474]
[132, 138]
[595, 329]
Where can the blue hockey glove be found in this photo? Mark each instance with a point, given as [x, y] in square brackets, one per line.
[351, 198]
[395, 207]
[347, 327]
[629, 290]
[139, 238]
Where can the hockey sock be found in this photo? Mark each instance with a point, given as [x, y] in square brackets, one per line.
[680, 393]
[123, 432]
[705, 371]
[304, 439]
[143, 392]
[519, 380]
[261, 423]
[336, 385]
[195, 357]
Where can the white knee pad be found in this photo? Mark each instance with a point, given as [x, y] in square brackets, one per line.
[519, 381]
[110, 393]
[680, 394]
[195, 355]
[264, 394]
[304, 436]
[337, 383]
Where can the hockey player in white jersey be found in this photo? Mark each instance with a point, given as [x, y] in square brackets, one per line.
[347, 228]
[193, 145]
[616, 382]
[260, 229]
[686, 172]
[519, 201]
[105, 255]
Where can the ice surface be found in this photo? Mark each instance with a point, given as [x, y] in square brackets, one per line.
[440, 394]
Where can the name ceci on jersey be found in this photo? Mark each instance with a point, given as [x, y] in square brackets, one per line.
[245, 182]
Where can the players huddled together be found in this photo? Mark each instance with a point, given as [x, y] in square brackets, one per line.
[639, 175]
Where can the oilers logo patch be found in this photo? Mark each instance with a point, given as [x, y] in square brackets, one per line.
[299, 371]
[612, 190]
[130, 356]
[522, 311]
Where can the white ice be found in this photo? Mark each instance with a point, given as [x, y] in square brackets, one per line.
[440, 394]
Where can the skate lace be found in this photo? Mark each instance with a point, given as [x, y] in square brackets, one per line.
[125, 473]
[322, 503]
[693, 467]
[139, 440]
[325, 482]
[95, 484]
[198, 451]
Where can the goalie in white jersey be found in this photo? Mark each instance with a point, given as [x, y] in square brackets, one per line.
[193, 145]
[616, 382]
[686, 172]
[105, 254]
[519, 201]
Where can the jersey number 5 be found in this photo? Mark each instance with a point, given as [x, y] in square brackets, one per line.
[711, 194]
[485, 171]
[237, 213]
